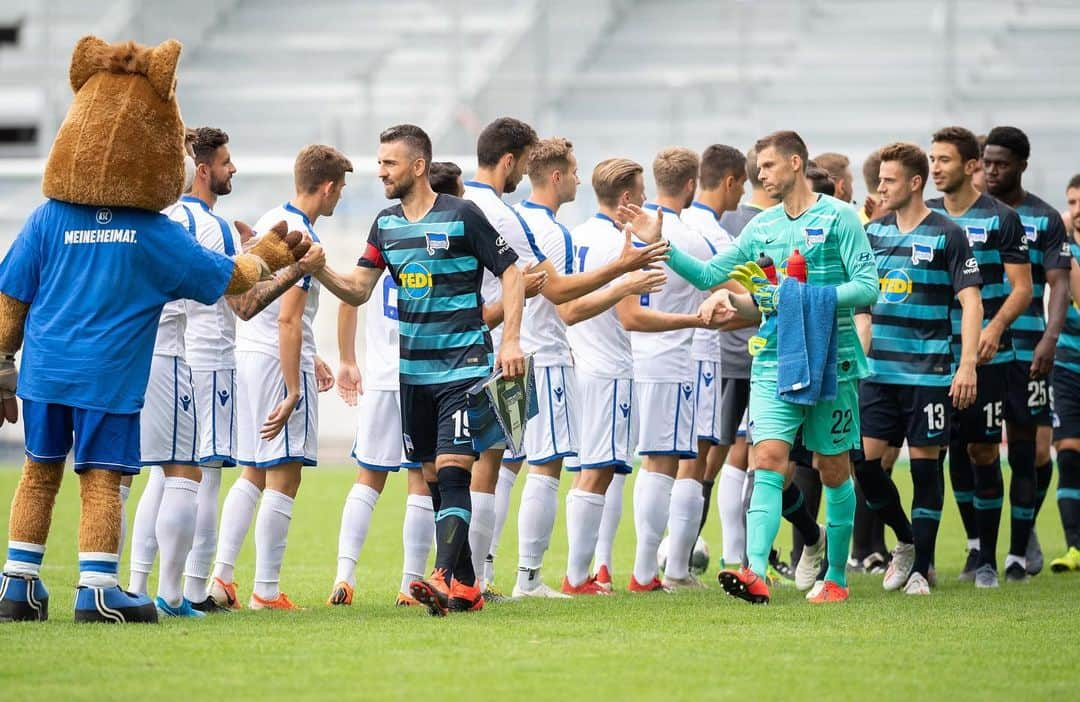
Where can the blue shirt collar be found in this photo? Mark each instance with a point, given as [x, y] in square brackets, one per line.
[195, 201]
[654, 206]
[478, 184]
[703, 206]
[609, 220]
[295, 210]
[537, 206]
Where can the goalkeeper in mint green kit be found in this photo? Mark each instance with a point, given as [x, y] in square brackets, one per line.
[828, 234]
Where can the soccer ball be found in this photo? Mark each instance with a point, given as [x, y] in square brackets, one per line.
[699, 559]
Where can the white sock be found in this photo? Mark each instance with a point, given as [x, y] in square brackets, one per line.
[1010, 559]
[652, 500]
[236, 514]
[417, 534]
[355, 520]
[175, 532]
[144, 544]
[584, 511]
[684, 518]
[729, 501]
[481, 529]
[973, 544]
[609, 524]
[125, 492]
[271, 535]
[24, 558]
[536, 519]
[98, 569]
[201, 558]
[504, 487]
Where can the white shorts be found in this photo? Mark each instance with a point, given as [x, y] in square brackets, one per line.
[608, 422]
[666, 417]
[553, 432]
[168, 429]
[260, 387]
[707, 418]
[216, 392]
[378, 443]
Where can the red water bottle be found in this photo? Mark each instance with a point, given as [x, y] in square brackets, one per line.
[796, 266]
[766, 264]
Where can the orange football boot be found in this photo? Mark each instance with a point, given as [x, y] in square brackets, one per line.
[744, 584]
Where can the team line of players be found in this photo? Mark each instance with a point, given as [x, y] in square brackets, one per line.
[634, 353]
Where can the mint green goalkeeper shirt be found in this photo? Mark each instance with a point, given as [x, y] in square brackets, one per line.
[837, 251]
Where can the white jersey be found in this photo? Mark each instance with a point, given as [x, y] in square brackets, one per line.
[543, 331]
[601, 344]
[173, 320]
[664, 357]
[260, 333]
[382, 360]
[703, 219]
[211, 329]
[511, 227]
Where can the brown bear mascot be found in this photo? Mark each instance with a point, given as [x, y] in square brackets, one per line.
[83, 285]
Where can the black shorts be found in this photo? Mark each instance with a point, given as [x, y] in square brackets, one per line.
[434, 420]
[1066, 414]
[919, 414]
[981, 423]
[1027, 401]
[734, 398]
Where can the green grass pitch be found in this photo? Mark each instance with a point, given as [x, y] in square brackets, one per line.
[959, 644]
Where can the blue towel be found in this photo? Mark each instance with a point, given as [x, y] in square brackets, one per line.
[806, 343]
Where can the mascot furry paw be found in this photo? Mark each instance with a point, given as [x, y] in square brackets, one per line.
[84, 284]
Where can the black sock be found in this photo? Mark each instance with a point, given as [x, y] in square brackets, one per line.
[926, 505]
[883, 498]
[436, 500]
[962, 478]
[452, 524]
[706, 491]
[989, 494]
[1068, 495]
[1043, 475]
[1021, 495]
[877, 530]
[809, 483]
[794, 510]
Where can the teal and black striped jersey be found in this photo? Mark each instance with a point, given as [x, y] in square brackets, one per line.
[996, 237]
[1068, 345]
[1048, 246]
[920, 273]
[437, 263]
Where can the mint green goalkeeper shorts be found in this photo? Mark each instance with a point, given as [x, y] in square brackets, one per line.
[829, 428]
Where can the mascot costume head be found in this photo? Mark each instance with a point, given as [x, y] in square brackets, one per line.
[84, 283]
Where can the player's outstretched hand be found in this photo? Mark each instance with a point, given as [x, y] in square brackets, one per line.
[642, 224]
[324, 375]
[246, 233]
[963, 390]
[644, 282]
[717, 309]
[350, 384]
[510, 359]
[278, 417]
[9, 380]
[314, 260]
[534, 281]
[633, 258]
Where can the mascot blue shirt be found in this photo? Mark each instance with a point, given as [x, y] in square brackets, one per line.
[127, 263]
